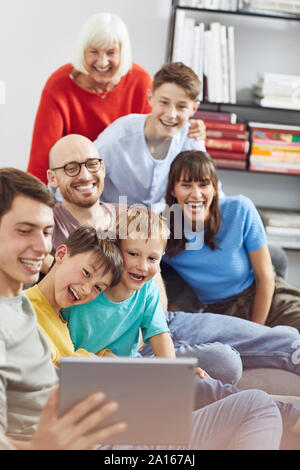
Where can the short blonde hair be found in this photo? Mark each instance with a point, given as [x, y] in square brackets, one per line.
[138, 221]
[103, 29]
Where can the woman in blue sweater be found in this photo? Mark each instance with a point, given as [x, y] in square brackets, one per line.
[219, 248]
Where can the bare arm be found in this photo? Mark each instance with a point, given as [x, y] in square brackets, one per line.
[162, 345]
[265, 283]
[162, 291]
[75, 429]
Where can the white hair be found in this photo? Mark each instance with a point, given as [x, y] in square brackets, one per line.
[103, 29]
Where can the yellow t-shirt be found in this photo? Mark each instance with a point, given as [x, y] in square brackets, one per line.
[54, 327]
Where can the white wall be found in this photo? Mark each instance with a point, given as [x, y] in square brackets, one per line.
[36, 37]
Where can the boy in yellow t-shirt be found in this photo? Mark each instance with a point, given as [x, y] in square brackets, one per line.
[84, 266]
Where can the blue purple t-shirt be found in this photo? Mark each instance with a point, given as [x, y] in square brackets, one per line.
[217, 274]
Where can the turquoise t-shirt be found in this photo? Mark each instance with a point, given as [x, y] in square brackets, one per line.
[104, 324]
[215, 275]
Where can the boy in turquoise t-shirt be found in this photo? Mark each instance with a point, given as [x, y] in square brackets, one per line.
[116, 316]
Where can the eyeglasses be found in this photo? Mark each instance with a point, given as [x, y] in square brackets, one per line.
[74, 168]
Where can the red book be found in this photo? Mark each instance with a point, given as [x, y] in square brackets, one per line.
[231, 134]
[228, 145]
[214, 116]
[219, 154]
[240, 126]
[234, 164]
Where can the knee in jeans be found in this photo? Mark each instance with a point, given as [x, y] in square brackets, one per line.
[220, 361]
[230, 364]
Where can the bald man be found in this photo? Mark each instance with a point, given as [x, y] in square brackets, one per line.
[77, 170]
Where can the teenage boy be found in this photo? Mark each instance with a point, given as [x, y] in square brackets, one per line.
[138, 149]
[27, 375]
[85, 265]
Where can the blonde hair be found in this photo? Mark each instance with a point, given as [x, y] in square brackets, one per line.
[103, 29]
[138, 221]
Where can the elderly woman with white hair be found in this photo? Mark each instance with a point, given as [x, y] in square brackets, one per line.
[85, 96]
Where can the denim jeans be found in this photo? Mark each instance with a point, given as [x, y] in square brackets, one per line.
[258, 345]
[220, 361]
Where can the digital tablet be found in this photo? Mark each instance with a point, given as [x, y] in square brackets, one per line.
[155, 395]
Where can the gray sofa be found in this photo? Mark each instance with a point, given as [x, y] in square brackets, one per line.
[281, 384]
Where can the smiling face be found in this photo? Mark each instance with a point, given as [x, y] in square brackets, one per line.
[85, 189]
[79, 278]
[141, 261]
[25, 240]
[171, 110]
[102, 63]
[195, 199]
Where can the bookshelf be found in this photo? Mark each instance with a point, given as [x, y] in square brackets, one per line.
[265, 41]
[261, 41]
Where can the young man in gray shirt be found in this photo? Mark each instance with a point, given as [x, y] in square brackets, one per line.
[28, 416]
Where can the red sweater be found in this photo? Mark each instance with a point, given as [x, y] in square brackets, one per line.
[66, 108]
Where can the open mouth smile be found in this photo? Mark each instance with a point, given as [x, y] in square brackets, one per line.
[73, 294]
[31, 265]
[168, 124]
[102, 70]
[87, 187]
[137, 277]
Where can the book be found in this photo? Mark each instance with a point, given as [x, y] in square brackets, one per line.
[222, 125]
[273, 169]
[214, 116]
[224, 155]
[188, 43]
[198, 54]
[278, 102]
[231, 134]
[288, 6]
[224, 63]
[228, 145]
[269, 149]
[275, 159]
[231, 64]
[232, 164]
[178, 36]
[273, 126]
[208, 72]
[215, 29]
[285, 136]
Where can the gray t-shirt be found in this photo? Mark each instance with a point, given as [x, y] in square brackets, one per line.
[27, 373]
[65, 222]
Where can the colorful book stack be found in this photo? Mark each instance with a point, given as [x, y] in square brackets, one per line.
[227, 141]
[274, 148]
